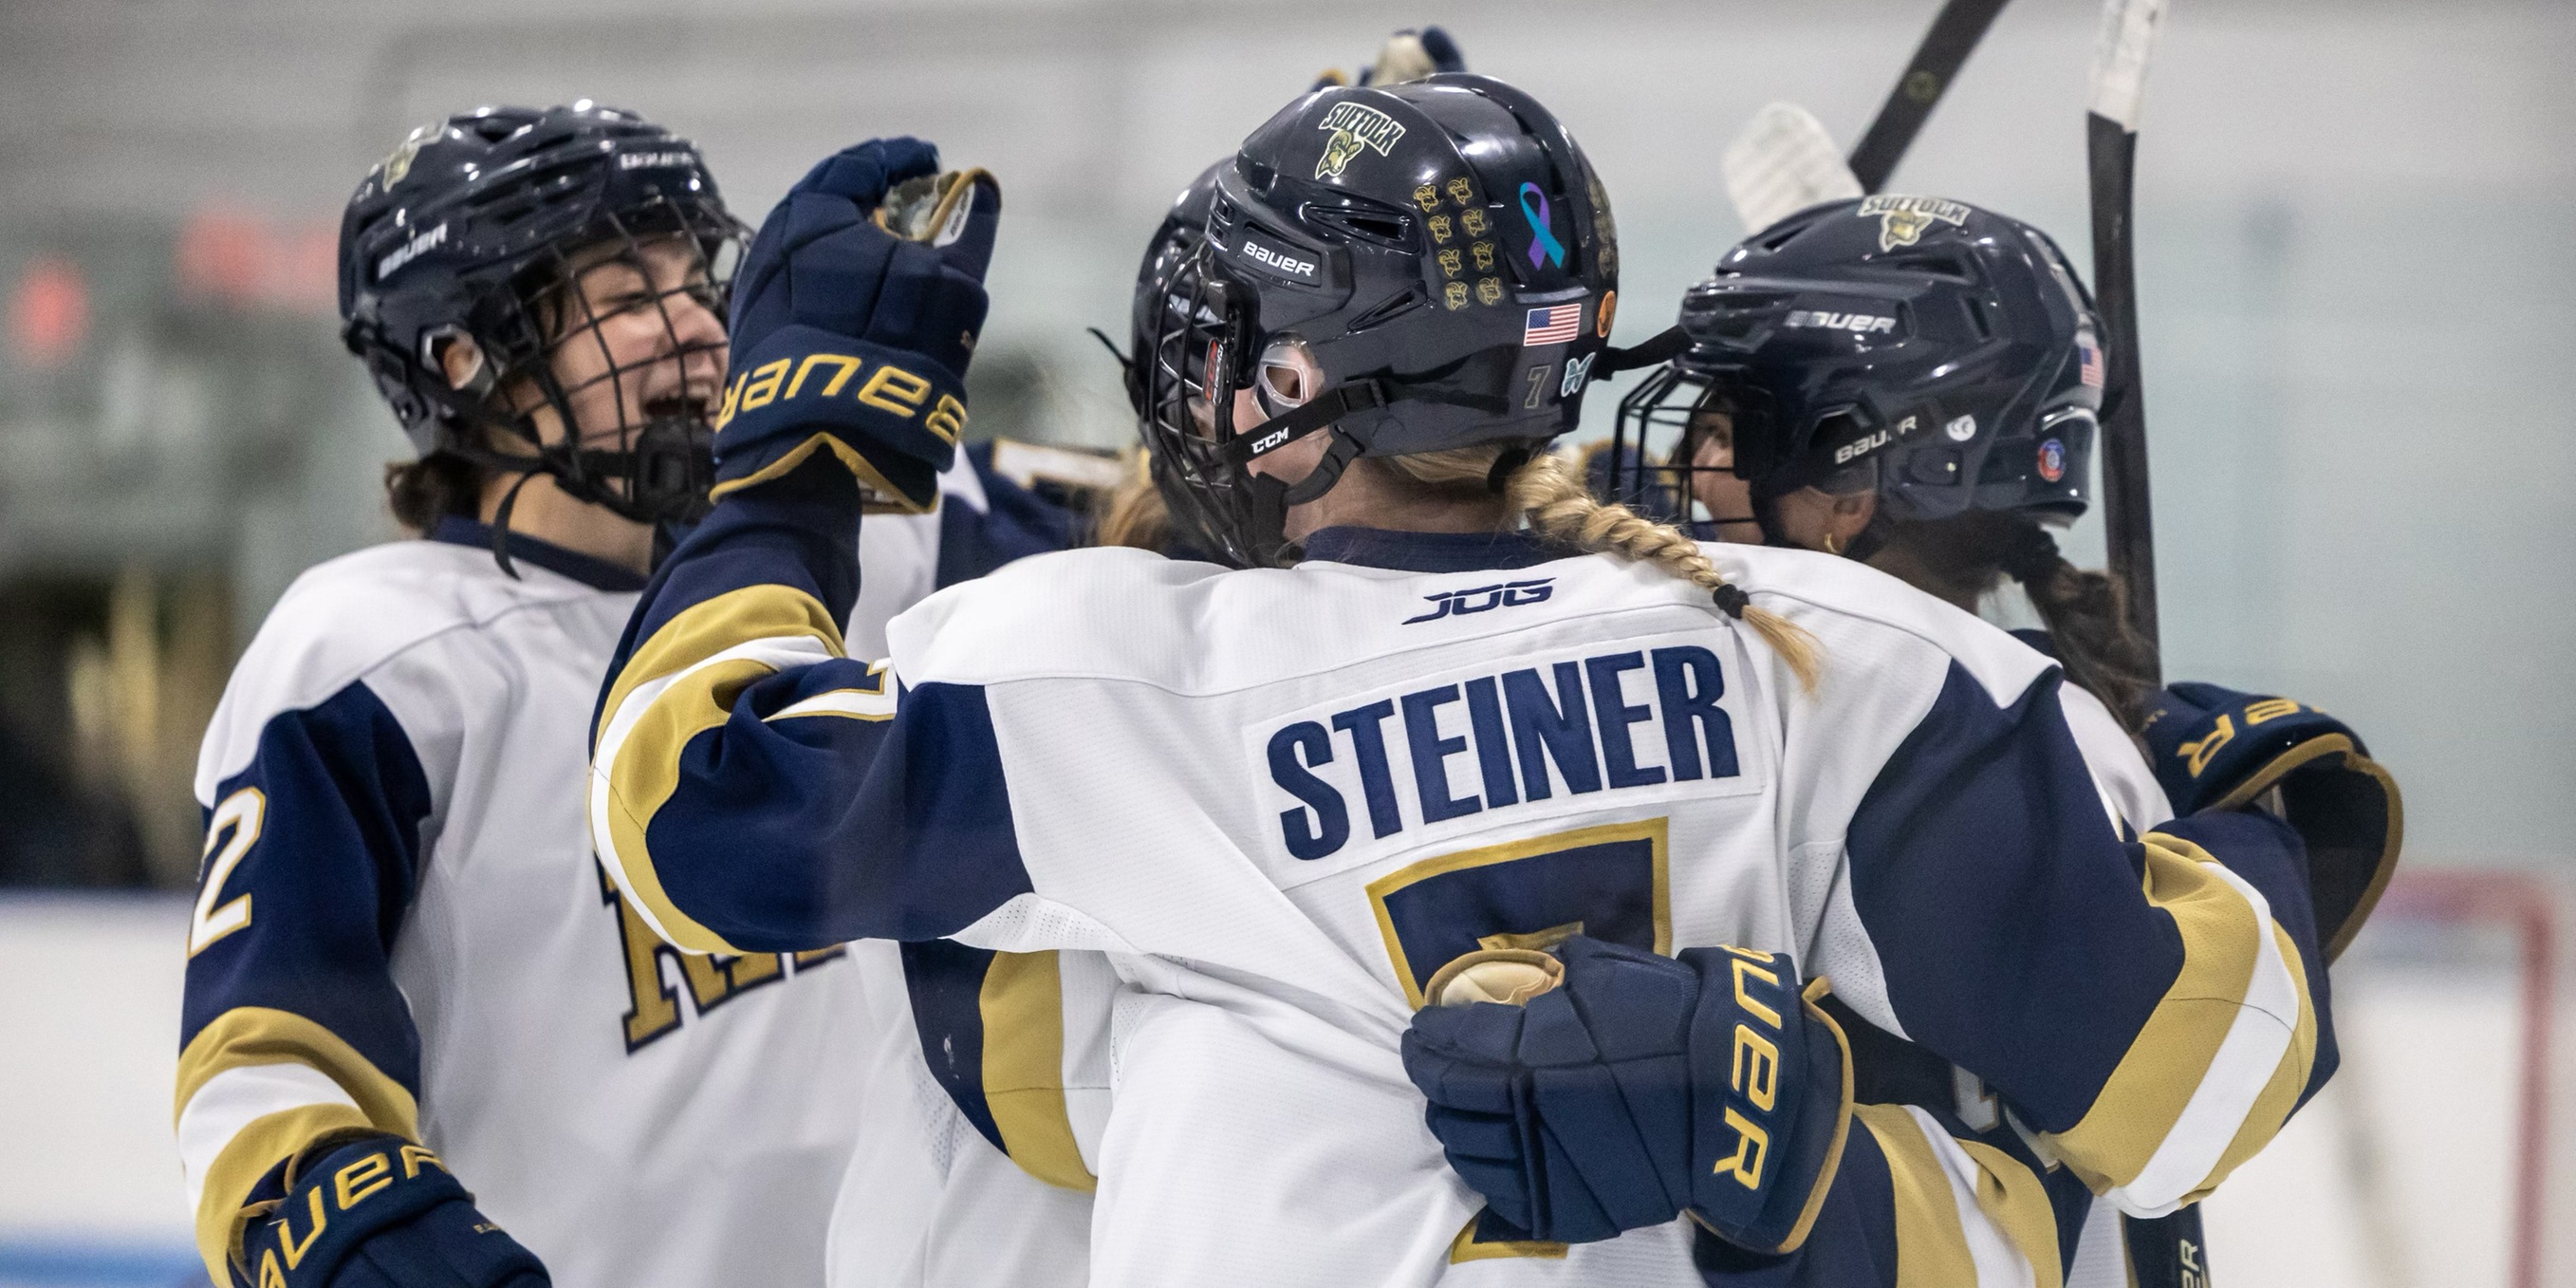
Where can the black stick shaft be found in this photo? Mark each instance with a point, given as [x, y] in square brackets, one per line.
[1954, 35]
[2127, 515]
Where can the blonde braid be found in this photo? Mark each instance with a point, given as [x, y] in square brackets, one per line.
[1560, 508]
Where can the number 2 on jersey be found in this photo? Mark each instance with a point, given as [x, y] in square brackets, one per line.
[1610, 882]
[240, 814]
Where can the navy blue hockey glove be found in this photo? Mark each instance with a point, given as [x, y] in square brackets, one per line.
[375, 1211]
[2218, 749]
[854, 316]
[1641, 1088]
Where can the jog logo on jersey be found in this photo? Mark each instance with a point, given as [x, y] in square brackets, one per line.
[1410, 758]
[1354, 126]
[1482, 599]
[1902, 221]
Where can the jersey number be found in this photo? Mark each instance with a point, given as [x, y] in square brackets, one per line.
[1610, 882]
[653, 1007]
[235, 823]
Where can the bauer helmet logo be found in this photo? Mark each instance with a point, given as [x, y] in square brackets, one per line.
[1902, 221]
[1354, 126]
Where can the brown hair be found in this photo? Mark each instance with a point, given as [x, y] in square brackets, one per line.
[1557, 506]
[2086, 613]
[423, 491]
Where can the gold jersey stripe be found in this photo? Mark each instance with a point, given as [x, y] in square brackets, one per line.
[1023, 1007]
[255, 1035]
[2017, 1203]
[888, 499]
[2146, 1093]
[1931, 1248]
[644, 764]
[2281, 1095]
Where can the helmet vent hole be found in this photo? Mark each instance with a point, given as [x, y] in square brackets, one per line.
[1977, 319]
[1391, 308]
[1364, 222]
[1944, 267]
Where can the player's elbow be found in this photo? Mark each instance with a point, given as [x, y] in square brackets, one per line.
[2226, 1056]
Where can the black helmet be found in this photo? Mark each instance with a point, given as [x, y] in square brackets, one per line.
[469, 232]
[1416, 267]
[1940, 354]
[1161, 361]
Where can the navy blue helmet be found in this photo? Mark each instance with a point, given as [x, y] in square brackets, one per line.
[1413, 267]
[474, 230]
[1940, 354]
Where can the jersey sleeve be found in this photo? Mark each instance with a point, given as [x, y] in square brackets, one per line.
[753, 789]
[2150, 1007]
[1915, 1201]
[292, 1025]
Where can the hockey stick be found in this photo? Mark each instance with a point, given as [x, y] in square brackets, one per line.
[2168, 1251]
[1782, 162]
[2111, 125]
[1954, 35]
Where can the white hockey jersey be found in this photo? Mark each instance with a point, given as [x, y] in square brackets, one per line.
[401, 925]
[1280, 800]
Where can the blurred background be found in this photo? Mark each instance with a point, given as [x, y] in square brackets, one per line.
[2358, 283]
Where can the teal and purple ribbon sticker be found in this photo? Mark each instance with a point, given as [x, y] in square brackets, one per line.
[1543, 243]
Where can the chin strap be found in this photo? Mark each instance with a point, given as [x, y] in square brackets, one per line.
[501, 525]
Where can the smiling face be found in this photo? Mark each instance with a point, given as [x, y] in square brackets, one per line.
[640, 338]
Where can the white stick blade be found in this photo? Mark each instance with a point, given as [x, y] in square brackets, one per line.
[1782, 162]
[2120, 58]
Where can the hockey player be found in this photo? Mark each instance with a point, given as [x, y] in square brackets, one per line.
[1282, 799]
[924, 1203]
[404, 958]
[1925, 402]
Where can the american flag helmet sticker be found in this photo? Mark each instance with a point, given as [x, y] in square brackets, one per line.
[1557, 324]
[2088, 357]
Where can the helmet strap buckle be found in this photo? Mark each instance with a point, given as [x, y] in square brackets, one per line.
[1337, 457]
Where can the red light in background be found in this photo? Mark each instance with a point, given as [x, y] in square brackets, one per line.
[244, 260]
[48, 312]
[222, 254]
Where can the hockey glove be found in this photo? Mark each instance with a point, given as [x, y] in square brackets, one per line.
[851, 330]
[2218, 749]
[1641, 1088]
[375, 1211]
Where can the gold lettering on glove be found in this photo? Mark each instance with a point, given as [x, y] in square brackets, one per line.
[2197, 754]
[889, 388]
[361, 1179]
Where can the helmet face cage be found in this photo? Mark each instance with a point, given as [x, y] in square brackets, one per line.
[1653, 463]
[1195, 342]
[654, 462]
